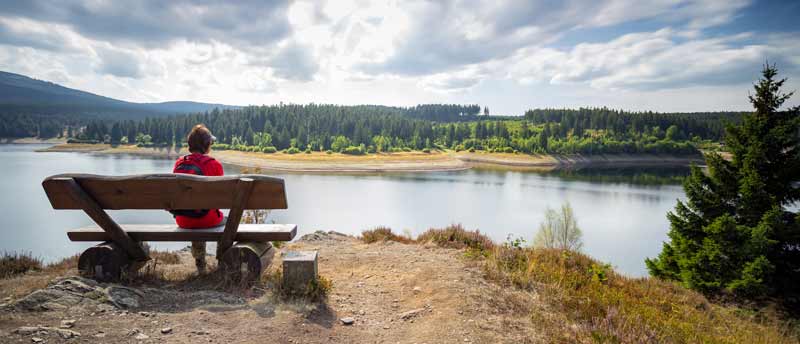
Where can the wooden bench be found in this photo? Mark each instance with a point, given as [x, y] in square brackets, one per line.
[242, 250]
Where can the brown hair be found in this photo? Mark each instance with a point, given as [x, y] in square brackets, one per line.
[200, 139]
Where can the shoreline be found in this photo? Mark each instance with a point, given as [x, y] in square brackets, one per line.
[318, 162]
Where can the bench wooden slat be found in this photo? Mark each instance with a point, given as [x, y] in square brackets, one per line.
[166, 191]
[246, 232]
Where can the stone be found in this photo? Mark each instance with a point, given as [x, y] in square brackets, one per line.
[147, 314]
[27, 330]
[100, 335]
[299, 269]
[417, 290]
[67, 334]
[166, 330]
[347, 320]
[124, 297]
[141, 336]
[37, 340]
[411, 314]
[70, 323]
[62, 294]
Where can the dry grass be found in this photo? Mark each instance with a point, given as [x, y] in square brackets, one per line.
[455, 236]
[584, 300]
[592, 303]
[315, 291]
[166, 258]
[380, 234]
[12, 264]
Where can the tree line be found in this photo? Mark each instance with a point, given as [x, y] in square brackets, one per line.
[370, 128]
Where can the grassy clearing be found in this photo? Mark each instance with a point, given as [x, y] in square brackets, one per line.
[584, 300]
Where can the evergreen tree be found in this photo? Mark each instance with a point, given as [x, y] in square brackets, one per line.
[735, 232]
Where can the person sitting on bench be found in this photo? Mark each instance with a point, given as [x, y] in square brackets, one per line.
[198, 163]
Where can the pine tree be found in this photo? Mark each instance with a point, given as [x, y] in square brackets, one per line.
[734, 232]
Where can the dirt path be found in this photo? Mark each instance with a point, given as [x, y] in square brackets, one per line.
[396, 293]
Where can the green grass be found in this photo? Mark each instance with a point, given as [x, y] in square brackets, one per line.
[584, 300]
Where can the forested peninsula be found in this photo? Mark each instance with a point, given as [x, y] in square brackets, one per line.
[367, 129]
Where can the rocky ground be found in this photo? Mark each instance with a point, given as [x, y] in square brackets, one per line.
[382, 293]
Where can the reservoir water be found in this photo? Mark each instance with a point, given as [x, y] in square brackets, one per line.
[622, 212]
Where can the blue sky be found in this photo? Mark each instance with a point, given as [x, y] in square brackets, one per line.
[668, 55]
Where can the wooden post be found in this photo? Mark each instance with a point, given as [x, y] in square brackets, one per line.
[299, 270]
[245, 261]
[243, 189]
[96, 212]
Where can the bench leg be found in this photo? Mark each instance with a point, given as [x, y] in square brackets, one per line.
[106, 262]
[245, 261]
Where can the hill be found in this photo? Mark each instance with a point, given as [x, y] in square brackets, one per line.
[428, 290]
[20, 94]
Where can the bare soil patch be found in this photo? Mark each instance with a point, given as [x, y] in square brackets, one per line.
[392, 292]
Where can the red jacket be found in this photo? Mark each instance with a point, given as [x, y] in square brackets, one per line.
[209, 167]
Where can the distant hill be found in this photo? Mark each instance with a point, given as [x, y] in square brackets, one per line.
[20, 94]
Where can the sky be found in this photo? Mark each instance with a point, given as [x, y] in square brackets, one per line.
[510, 56]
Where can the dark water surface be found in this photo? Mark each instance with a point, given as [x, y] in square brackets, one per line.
[622, 211]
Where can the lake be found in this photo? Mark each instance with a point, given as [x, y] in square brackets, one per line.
[622, 212]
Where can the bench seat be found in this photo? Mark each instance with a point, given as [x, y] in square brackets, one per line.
[171, 232]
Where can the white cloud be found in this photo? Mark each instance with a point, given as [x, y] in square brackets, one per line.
[388, 51]
[649, 60]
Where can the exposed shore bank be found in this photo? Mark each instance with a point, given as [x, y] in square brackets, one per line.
[393, 162]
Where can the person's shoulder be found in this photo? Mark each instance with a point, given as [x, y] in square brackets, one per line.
[211, 161]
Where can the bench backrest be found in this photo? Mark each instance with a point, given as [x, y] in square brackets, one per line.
[165, 191]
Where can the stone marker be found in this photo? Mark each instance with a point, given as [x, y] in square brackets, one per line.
[299, 269]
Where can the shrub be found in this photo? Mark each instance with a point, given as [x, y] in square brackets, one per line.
[406, 149]
[166, 258]
[269, 149]
[328, 151]
[455, 236]
[559, 230]
[292, 150]
[353, 150]
[315, 291]
[308, 151]
[472, 149]
[426, 150]
[12, 264]
[383, 234]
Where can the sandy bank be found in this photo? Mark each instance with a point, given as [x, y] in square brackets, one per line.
[391, 162]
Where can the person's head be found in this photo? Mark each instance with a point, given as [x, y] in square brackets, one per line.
[200, 139]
